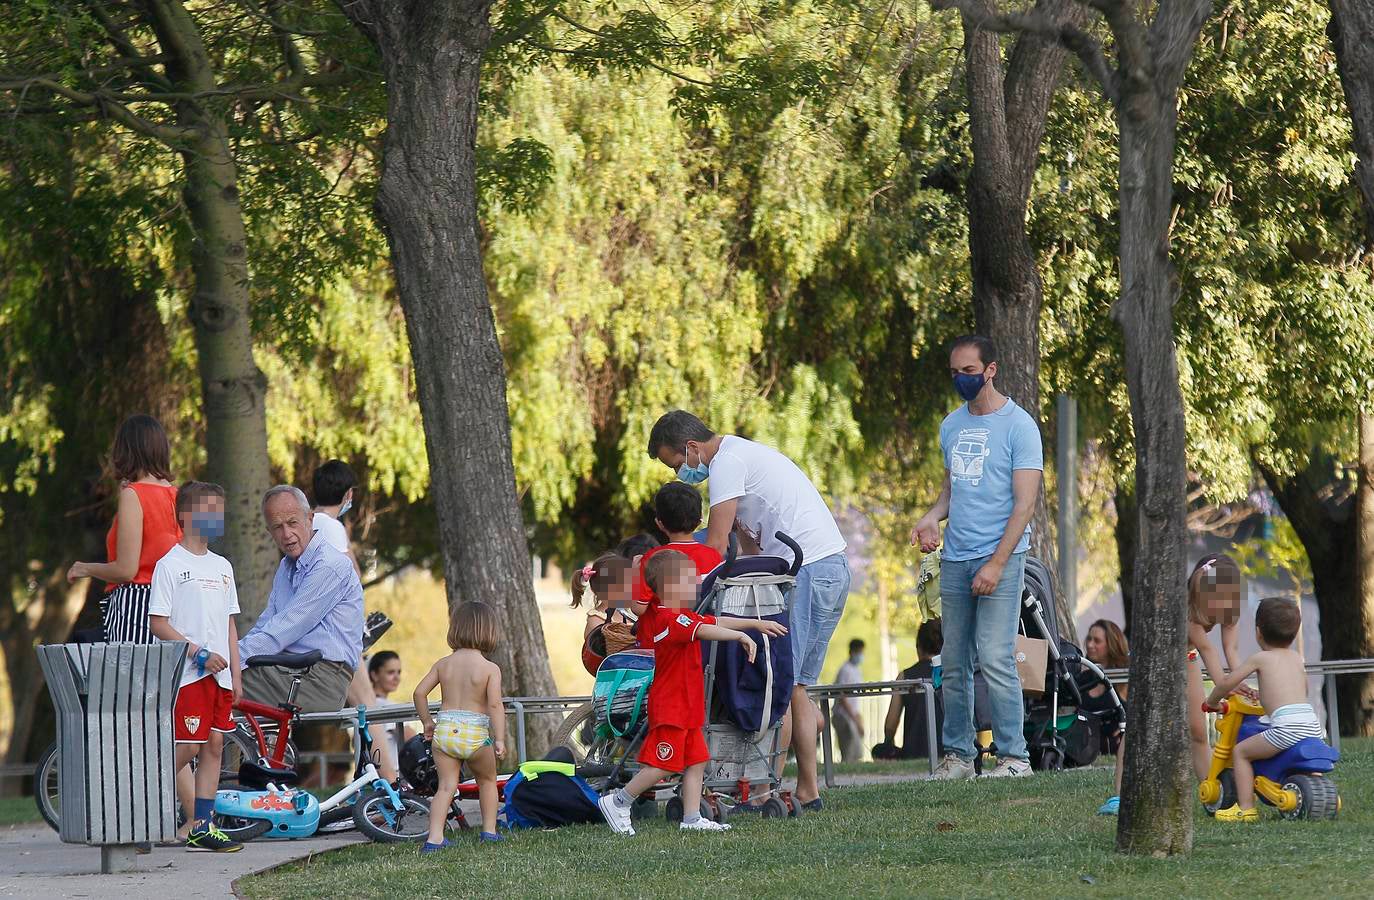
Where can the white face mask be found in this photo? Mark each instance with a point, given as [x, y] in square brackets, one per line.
[859, 659]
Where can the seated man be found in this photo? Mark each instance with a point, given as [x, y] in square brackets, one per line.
[316, 604]
[911, 705]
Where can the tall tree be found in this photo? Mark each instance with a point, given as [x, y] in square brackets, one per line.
[1152, 53]
[1007, 109]
[431, 57]
[1322, 504]
[1351, 31]
[1352, 34]
[188, 79]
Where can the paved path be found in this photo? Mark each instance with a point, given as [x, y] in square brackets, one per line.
[35, 863]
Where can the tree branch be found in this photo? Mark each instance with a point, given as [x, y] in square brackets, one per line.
[121, 41]
[294, 63]
[522, 28]
[629, 51]
[108, 106]
[1087, 48]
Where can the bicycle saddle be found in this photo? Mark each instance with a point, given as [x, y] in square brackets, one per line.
[286, 660]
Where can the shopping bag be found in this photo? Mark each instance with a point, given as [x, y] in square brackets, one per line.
[1032, 657]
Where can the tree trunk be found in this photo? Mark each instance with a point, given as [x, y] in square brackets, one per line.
[58, 604]
[233, 388]
[1327, 527]
[1006, 123]
[427, 204]
[1127, 546]
[1351, 31]
[1363, 699]
[1157, 789]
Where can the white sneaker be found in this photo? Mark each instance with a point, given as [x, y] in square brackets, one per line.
[953, 768]
[618, 817]
[1009, 768]
[704, 824]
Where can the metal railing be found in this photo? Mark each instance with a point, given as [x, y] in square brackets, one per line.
[398, 715]
[1328, 669]
[520, 708]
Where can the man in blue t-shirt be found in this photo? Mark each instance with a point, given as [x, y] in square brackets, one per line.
[993, 466]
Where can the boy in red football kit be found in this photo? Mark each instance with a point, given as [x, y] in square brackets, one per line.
[193, 599]
[675, 743]
[677, 511]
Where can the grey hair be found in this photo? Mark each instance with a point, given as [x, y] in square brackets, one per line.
[286, 489]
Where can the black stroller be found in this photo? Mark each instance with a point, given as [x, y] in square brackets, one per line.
[1060, 732]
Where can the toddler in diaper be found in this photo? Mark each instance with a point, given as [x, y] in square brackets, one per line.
[471, 723]
[1282, 691]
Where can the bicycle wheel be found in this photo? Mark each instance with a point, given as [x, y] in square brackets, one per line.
[378, 819]
[241, 745]
[333, 821]
[46, 786]
[578, 731]
[240, 829]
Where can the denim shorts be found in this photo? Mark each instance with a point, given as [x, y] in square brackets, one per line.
[816, 604]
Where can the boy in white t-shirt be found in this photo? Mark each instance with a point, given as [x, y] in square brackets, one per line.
[193, 599]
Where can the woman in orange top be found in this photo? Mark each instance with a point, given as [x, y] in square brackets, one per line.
[145, 528]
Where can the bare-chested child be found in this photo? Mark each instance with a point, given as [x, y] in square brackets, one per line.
[1282, 691]
[471, 724]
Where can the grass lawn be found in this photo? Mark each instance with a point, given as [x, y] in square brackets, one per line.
[1034, 837]
[18, 811]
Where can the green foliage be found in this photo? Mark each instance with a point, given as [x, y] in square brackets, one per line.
[1277, 555]
[755, 213]
[1272, 319]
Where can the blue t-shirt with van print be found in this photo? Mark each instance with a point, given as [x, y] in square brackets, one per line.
[980, 454]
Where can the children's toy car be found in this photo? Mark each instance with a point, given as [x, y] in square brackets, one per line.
[1294, 781]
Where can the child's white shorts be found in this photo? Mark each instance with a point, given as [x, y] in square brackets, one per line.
[1293, 723]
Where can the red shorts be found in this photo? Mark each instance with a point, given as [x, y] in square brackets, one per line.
[674, 749]
[202, 706]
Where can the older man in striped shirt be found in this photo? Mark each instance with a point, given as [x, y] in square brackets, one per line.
[316, 604]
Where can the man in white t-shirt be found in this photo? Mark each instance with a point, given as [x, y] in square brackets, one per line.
[193, 598]
[334, 482]
[757, 492]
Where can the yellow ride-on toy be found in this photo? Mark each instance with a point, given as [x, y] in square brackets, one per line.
[1294, 782]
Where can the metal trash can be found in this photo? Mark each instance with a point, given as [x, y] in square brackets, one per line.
[114, 736]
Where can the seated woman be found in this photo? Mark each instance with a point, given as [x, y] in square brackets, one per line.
[1106, 646]
[912, 704]
[384, 671]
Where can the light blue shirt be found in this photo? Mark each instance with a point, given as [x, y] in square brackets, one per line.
[980, 454]
[316, 604]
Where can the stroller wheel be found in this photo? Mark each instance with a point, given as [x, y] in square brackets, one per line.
[672, 810]
[1051, 760]
[774, 808]
[644, 808]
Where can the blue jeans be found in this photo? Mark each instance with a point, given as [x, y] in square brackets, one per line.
[816, 604]
[985, 627]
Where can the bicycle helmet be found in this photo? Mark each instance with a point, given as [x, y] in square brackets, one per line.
[417, 766]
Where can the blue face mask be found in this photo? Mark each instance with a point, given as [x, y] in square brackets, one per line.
[208, 525]
[348, 504]
[693, 474]
[969, 386]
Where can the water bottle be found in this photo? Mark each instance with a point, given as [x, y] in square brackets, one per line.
[935, 677]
